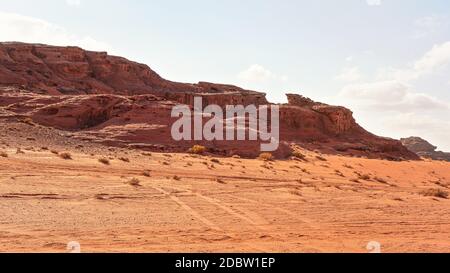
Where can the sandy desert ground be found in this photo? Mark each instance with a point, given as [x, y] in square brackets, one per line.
[188, 203]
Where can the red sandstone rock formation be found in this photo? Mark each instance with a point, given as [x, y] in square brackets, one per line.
[424, 149]
[118, 102]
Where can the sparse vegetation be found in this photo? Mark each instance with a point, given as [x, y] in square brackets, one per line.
[101, 196]
[19, 151]
[104, 161]
[3, 154]
[215, 160]
[379, 179]
[306, 171]
[146, 173]
[435, 193]
[299, 155]
[54, 152]
[321, 158]
[124, 159]
[65, 155]
[197, 149]
[266, 156]
[28, 121]
[135, 182]
[176, 178]
[339, 173]
[295, 192]
[361, 176]
[220, 181]
[347, 166]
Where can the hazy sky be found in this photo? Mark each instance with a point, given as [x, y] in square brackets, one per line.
[387, 60]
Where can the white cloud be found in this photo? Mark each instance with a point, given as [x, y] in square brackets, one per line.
[432, 61]
[391, 96]
[349, 74]
[373, 2]
[428, 25]
[377, 91]
[258, 73]
[392, 105]
[413, 122]
[16, 27]
[73, 2]
[437, 57]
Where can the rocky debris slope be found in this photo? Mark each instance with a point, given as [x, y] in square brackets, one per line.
[424, 149]
[117, 102]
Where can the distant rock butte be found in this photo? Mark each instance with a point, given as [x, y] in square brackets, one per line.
[424, 149]
[118, 102]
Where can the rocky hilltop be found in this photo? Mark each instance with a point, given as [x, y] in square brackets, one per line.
[112, 100]
[424, 149]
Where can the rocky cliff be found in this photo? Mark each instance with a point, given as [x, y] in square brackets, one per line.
[424, 149]
[118, 102]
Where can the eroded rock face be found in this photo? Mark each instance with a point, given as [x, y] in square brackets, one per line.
[424, 149]
[114, 101]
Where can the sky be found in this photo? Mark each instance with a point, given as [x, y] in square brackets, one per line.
[386, 60]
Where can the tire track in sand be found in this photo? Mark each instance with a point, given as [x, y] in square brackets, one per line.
[189, 209]
[204, 220]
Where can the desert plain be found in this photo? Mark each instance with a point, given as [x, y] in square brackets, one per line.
[55, 190]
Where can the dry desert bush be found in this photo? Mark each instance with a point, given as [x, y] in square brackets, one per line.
[3, 154]
[220, 181]
[295, 192]
[435, 193]
[361, 176]
[215, 160]
[266, 156]
[306, 171]
[134, 182]
[104, 161]
[379, 179]
[28, 121]
[65, 155]
[197, 149]
[124, 159]
[299, 155]
[339, 173]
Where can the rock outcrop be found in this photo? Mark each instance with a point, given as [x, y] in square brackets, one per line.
[118, 102]
[424, 149]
